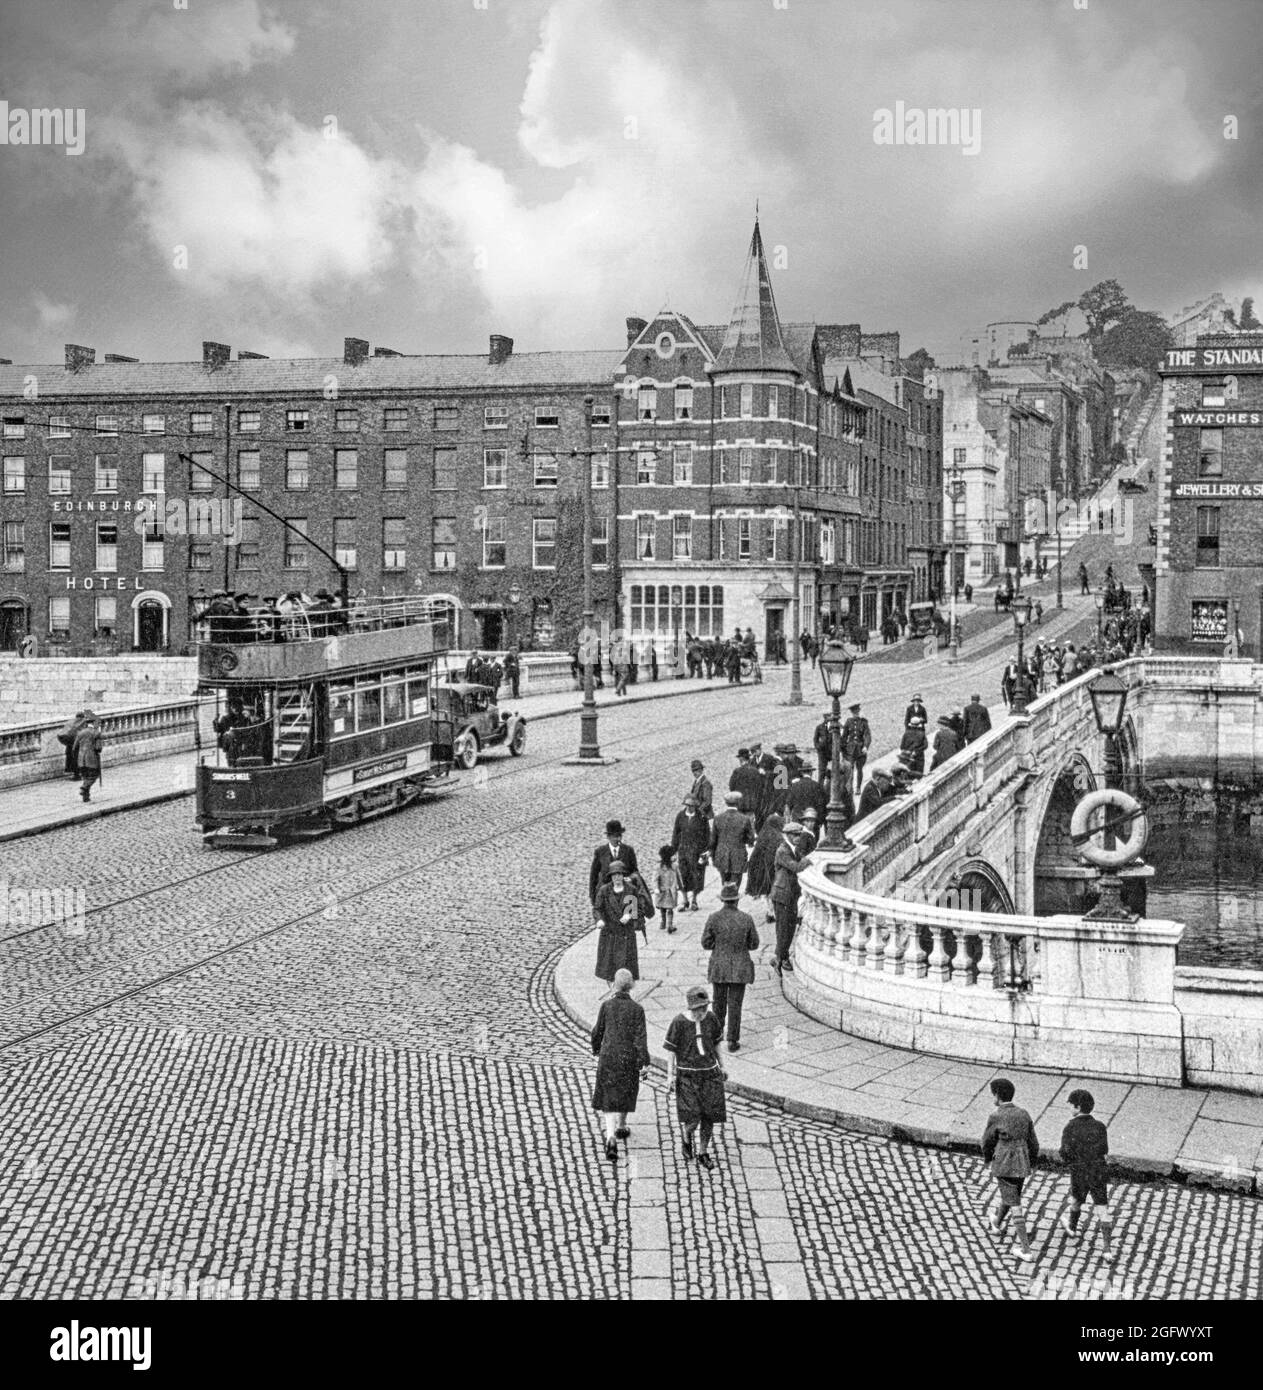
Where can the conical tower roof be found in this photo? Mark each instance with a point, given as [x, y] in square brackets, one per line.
[753, 341]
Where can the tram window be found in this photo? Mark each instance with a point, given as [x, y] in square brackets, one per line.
[342, 709]
[394, 709]
[368, 709]
[418, 698]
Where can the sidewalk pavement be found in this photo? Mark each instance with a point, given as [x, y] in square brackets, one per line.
[1212, 1138]
[36, 807]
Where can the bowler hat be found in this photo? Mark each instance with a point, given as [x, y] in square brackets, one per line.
[613, 827]
[696, 763]
[730, 893]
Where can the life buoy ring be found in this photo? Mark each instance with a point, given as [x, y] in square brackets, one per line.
[1130, 817]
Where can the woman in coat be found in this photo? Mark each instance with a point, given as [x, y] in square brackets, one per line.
[759, 871]
[621, 1044]
[619, 918]
[912, 746]
[690, 838]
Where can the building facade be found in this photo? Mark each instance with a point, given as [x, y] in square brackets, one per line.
[728, 465]
[1208, 565]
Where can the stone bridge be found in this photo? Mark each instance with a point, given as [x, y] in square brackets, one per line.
[956, 926]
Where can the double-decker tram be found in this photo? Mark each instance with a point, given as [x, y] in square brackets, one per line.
[325, 718]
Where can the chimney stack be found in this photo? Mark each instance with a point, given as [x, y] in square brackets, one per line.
[215, 355]
[244, 356]
[635, 327]
[77, 358]
[6, 361]
[118, 357]
[386, 352]
[354, 351]
[501, 349]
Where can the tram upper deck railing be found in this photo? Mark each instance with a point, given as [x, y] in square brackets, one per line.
[303, 642]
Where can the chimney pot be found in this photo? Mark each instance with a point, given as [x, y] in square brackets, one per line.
[77, 357]
[215, 355]
[244, 356]
[635, 327]
[386, 352]
[354, 351]
[501, 348]
[118, 357]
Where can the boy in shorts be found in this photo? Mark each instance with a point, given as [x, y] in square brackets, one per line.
[695, 1074]
[1084, 1144]
[1010, 1147]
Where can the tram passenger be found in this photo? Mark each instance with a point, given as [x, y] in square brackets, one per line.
[229, 727]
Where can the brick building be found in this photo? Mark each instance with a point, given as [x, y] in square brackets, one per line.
[459, 476]
[1209, 562]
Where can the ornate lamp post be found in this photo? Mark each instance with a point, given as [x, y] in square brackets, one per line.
[1108, 693]
[1021, 610]
[1099, 598]
[515, 597]
[835, 670]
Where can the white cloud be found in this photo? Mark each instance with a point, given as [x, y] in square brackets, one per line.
[282, 207]
[186, 44]
[52, 314]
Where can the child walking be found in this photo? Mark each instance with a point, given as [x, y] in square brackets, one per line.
[1084, 1144]
[667, 887]
[695, 1074]
[1009, 1145]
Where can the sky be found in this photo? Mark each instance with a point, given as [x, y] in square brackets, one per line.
[280, 174]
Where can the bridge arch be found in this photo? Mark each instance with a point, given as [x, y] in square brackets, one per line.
[1059, 876]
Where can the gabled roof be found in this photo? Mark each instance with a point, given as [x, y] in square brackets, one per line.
[451, 372]
[754, 341]
[681, 328]
[862, 377]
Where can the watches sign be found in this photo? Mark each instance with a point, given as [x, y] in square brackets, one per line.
[1216, 419]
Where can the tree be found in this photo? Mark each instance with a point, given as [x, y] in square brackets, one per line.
[1103, 305]
[1247, 319]
[919, 363]
[1058, 313]
[1139, 339]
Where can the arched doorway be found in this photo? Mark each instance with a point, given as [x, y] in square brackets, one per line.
[14, 623]
[151, 621]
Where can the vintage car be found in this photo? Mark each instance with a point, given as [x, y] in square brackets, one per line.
[479, 722]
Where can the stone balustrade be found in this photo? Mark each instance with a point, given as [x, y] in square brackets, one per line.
[1093, 998]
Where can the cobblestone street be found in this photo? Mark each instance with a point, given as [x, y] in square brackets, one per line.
[337, 1070]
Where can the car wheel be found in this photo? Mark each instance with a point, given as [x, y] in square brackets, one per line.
[517, 744]
[466, 750]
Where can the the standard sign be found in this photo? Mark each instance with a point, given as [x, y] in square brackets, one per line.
[1212, 359]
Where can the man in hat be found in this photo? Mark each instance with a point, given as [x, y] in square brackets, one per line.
[803, 794]
[810, 837]
[745, 779]
[977, 719]
[605, 854]
[87, 747]
[875, 793]
[912, 746]
[822, 742]
[702, 789]
[856, 739]
[620, 1041]
[787, 865]
[690, 839]
[947, 742]
[695, 1074]
[916, 710]
[730, 935]
[731, 839]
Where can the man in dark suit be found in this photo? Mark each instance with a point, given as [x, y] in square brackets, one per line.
[612, 849]
[916, 710]
[784, 895]
[690, 839]
[730, 935]
[977, 719]
[746, 780]
[804, 793]
[702, 789]
[822, 741]
[874, 794]
[856, 738]
[731, 839]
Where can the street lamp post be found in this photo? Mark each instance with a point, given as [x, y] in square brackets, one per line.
[589, 748]
[1108, 693]
[796, 669]
[515, 597]
[1100, 618]
[1021, 610]
[835, 670]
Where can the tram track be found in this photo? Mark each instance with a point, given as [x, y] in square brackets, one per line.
[686, 740]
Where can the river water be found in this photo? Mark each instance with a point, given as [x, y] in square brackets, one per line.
[1209, 877]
